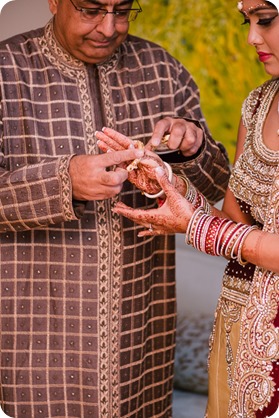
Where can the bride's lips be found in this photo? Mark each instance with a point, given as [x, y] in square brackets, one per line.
[264, 56]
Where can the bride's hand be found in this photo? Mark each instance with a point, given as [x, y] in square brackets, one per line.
[171, 217]
[140, 172]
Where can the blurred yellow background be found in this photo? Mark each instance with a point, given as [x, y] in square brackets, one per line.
[208, 37]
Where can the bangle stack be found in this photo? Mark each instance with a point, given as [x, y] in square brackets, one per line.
[217, 236]
[195, 197]
[170, 175]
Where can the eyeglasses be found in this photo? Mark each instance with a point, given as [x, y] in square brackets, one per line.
[96, 15]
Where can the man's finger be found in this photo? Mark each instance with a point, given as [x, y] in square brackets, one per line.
[192, 141]
[118, 157]
[118, 137]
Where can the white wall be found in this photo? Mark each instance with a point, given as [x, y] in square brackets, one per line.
[21, 15]
[199, 278]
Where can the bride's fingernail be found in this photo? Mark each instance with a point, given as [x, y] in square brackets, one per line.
[160, 170]
[139, 153]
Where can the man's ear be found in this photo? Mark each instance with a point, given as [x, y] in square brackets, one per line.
[53, 6]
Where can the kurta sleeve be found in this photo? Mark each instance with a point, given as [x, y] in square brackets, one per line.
[209, 169]
[34, 195]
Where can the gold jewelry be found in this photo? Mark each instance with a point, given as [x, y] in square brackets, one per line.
[251, 8]
[140, 145]
[195, 197]
[134, 164]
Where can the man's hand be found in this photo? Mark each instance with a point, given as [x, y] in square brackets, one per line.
[184, 136]
[142, 174]
[91, 179]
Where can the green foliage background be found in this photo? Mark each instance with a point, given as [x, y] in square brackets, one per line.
[208, 38]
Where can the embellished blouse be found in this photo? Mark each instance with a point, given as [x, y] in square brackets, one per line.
[253, 183]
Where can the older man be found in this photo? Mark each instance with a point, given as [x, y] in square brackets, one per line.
[88, 308]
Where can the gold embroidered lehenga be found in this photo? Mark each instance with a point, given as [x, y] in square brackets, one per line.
[244, 345]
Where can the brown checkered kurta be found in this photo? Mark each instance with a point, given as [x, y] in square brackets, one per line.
[87, 308]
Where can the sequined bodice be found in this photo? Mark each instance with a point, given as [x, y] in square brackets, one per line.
[254, 171]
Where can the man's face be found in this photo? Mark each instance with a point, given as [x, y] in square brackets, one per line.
[83, 38]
